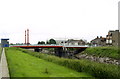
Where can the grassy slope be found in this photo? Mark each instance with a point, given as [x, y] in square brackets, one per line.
[0, 52]
[111, 52]
[25, 65]
[99, 70]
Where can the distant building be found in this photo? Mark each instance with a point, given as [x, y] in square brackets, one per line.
[99, 41]
[76, 42]
[61, 42]
[4, 43]
[71, 42]
[113, 38]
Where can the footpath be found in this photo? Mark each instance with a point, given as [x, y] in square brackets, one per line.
[4, 72]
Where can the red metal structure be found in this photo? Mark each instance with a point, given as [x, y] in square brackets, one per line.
[25, 36]
[28, 36]
[30, 46]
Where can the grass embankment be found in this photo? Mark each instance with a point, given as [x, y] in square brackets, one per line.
[98, 70]
[24, 65]
[112, 52]
[0, 52]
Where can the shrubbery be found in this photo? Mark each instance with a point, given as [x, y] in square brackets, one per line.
[98, 70]
[112, 52]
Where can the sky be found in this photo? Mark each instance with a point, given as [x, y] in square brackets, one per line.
[58, 19]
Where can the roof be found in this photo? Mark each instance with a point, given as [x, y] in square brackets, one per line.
[103, 38]
[4, 38]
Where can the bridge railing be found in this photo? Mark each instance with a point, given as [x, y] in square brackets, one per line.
[51, 45]
[37, 45]
[76, 46]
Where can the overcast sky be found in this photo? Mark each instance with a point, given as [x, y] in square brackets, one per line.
[58, 19]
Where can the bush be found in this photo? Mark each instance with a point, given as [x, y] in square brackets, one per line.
[99, 70]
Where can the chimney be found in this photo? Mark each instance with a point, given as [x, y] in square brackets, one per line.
[25, 36]
[97, 37]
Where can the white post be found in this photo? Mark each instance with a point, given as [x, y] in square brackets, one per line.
[119, 15]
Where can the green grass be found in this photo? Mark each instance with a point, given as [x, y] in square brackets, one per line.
[0, 52]
[112, 52]
[98, 70]
[24, 65]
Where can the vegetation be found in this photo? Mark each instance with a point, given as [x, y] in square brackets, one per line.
[98, 70]
[51, 41]
[41, 42]
[0, 52]
[50, 49]
[24, 65]
[112, 52]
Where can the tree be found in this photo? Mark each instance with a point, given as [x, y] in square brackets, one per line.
[42, 42]
[39, 42]
[51, 41]
[47, 42]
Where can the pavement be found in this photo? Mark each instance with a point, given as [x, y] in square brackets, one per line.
[4, 72]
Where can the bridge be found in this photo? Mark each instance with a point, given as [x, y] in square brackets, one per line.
[60, 50]
[50, 46]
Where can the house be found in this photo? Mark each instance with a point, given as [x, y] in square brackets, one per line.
[61, 42]
[113, 38]
[76, 42]
[71, 42]
[99, 41]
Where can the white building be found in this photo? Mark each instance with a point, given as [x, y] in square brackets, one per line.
[61, 42]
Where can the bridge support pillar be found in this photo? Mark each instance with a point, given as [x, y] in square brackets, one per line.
[59, 52]
[37, 49]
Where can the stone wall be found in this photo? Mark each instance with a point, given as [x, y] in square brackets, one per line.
[99, 59]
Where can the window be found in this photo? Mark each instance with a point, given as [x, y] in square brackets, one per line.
[110, 41]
